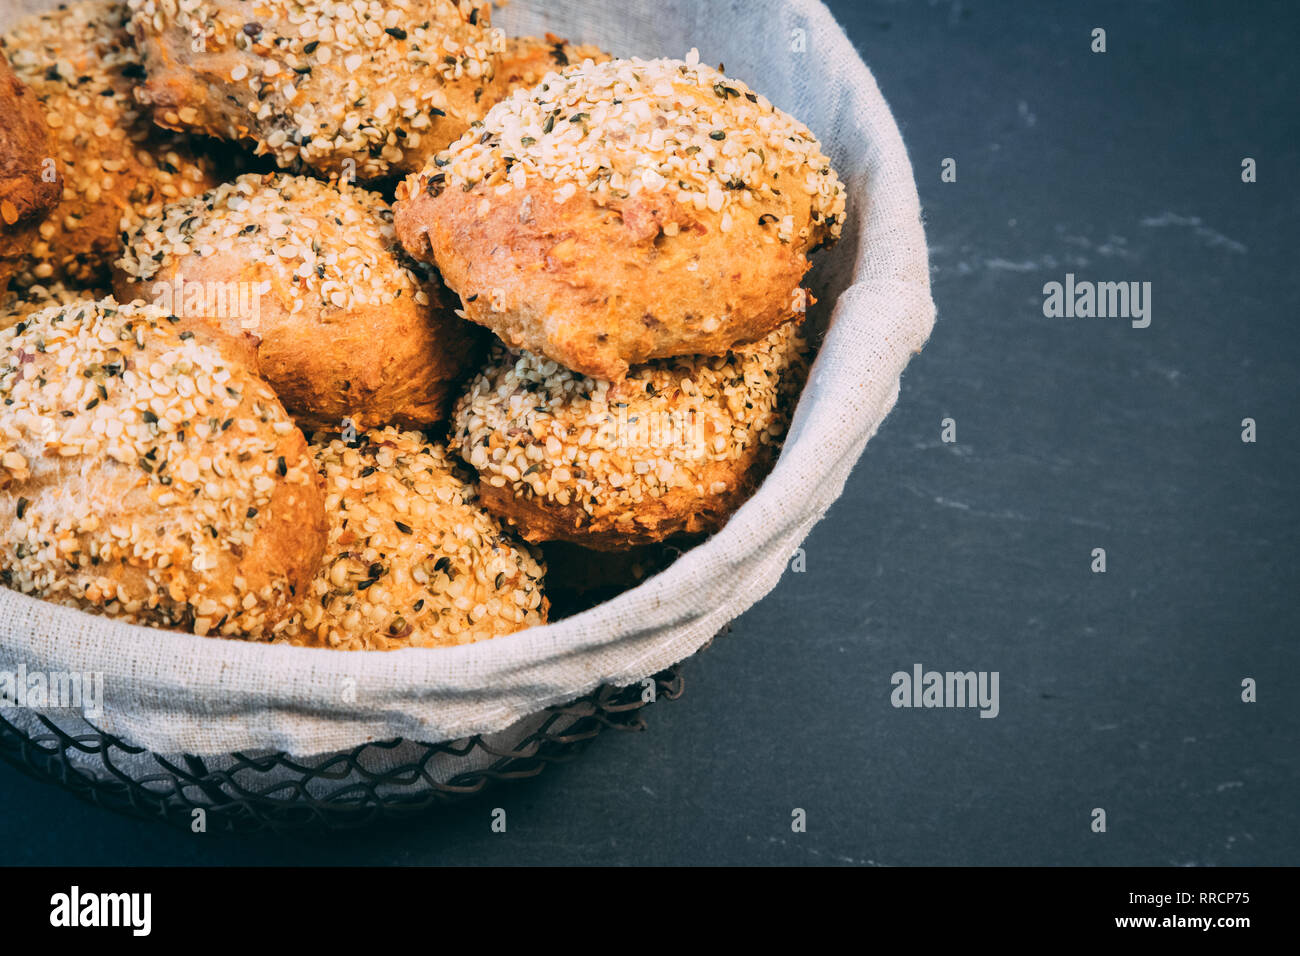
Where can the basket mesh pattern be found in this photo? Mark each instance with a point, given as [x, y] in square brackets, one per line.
[276, 792]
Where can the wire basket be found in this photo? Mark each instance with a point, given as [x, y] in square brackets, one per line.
[393, 779]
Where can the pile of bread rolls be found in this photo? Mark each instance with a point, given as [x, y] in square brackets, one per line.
[321, 325]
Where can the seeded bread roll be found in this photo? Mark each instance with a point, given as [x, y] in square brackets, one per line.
[14, 307]
[29, 185]
[350, 326]
[674, 448]
[527, 60]
[356, 90]
[412, 560]
[80, 64]
[148, 476]
[626, 211]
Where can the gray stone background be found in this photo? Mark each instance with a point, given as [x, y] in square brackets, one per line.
[1118, 690]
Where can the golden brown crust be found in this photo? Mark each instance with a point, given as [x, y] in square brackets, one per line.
[81, 66]
[149, 476]
[625, 211]
[672, 449]
[29, 182]
[412, 561]
[600, 289]
[350, 327]
[359, 96]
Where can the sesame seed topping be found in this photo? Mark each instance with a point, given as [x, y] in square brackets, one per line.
[412, 560]
[15, 307]
[325, 245]
[527, 60]
[619, 128]
[601, 450]
[325, 82]
[133, 502]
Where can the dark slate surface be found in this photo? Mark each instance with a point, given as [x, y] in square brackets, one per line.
[1118, 690]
